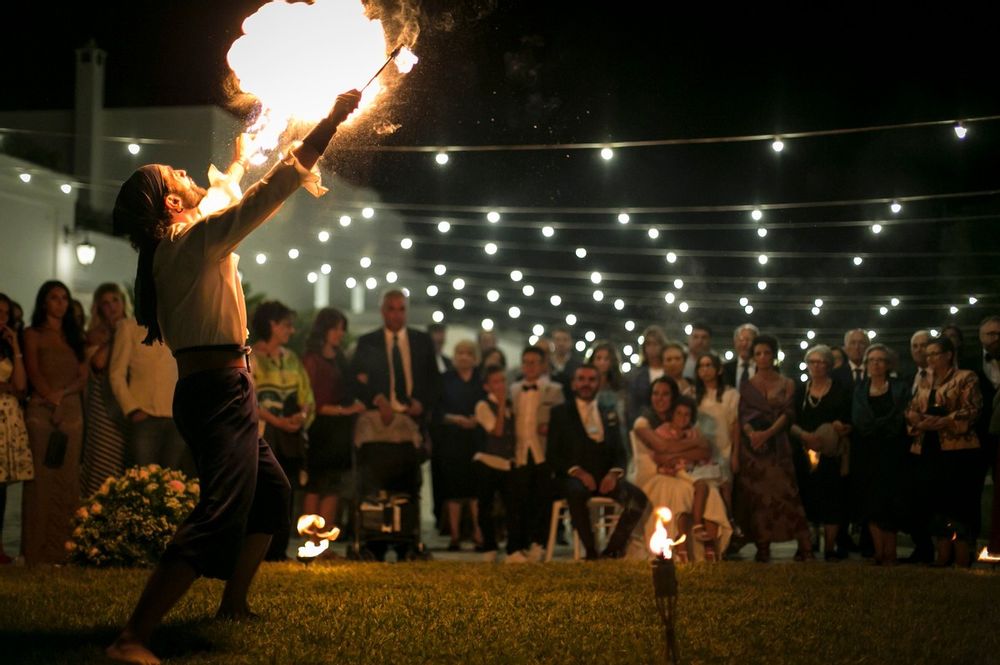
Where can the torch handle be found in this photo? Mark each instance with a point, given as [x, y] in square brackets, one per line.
[392, 56]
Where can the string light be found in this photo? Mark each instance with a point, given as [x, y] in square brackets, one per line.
[437, 316]
[934, 332]
[762, 259]
[66, 188]
[516, 275]
[810, 334]
[528, 290]
[623, 218]
[804, 378]
[598, 295]
[595, 277]
[876, 229]
[312, 278]
[678, 283]
[261, 258]
[440, 269]
[802, 366]
[872, 334]
[756, 215]
[629, 326]
[555, 301]
[744, 301]
[581, 253]
[391, 277]
[432, 290]
[570, 319]
[365, 262]
[538, 329]
[350, 282]
[486, 324]
[458, 303]
[635, 358]
[777, 145]
[533, 340]
[883, 310]
[761, 285]
[619, 304]
[371, 283]
[730, 355]
[973, 300]
[626, 368]
[683, 307]
[607, 154]
[367, 213]
[406, 243]
[671, 257]
[441, 158]
[548, 231]
[815, 311]
[858, 260]
[653, 233]
[818, 302]
[134, 148]
[458, 284]
[580, 346]
[627, 350]
[444, 226]
[688, 329]
[590, 335]
[345, 221]
[493, 295]
[293, 253]
[748, 309]
[514, 312]
[490, 248]
[492, 217]
[895, 207]
[953, 310]
[894, 302]
[762, 232]
[323, 236]
[961, 131]
[326, 268]
[669, 297]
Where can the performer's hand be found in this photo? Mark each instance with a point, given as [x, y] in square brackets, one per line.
[608, 483]
[586, 479]
[345, 105]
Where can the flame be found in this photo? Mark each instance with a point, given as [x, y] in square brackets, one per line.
[986, 557]
[296, 57]
[312, 525]
[311, 550]
[661, 543]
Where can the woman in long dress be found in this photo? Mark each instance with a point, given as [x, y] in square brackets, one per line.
[54, 360]
[766, 477]
[15, 454]
[104, 434]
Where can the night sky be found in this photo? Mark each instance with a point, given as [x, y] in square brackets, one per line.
[554, 72]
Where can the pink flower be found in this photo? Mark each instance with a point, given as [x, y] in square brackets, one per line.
[176, 485]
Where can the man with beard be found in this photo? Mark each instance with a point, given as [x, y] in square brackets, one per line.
[188, 295]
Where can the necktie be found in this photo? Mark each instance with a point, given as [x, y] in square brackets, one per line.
[857, 375]
[398, 373]
[745, 375]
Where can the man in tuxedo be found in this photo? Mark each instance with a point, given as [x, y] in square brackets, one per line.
[438, 332]
[742, 367]
[699, 342]
[563, 361]
[988, 369]
[532, 399]
[395, 366]
[852, 372]
[918, 351]
[588, 455]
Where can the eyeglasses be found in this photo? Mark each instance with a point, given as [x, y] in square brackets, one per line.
[878, 360]
[816, 362]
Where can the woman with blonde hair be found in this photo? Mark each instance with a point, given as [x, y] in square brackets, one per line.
[104, 432]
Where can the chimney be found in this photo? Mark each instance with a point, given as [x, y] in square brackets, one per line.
[89, 121]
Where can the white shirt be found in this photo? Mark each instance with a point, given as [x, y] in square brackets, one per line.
[199, 296]
[142, 376]
[854, 369]
[404, 350]
[992, 371]
[925, 375]
[526, 425]
[488, 420]
[655, 373]
[590, 416]
[751, 369]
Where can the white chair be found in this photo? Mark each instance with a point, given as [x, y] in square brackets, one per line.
[604, 514]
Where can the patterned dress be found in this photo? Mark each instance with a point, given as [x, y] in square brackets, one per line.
[104, 438]
[15, 455]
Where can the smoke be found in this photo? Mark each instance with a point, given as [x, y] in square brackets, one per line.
[401, 20]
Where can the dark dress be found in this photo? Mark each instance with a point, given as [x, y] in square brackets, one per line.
[330, 437]
[823, 489]
[454, 446]
[878, 452]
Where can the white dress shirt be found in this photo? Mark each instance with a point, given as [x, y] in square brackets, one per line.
[404, 350]
[991, 368]
[526, 424]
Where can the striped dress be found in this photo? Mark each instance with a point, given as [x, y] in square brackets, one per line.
[104, 438]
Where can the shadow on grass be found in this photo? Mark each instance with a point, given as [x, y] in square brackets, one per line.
[86, 645]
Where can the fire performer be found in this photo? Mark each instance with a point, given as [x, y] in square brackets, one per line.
[188, 295]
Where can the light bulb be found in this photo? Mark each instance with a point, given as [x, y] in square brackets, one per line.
[492, 217]
[607, 154]
[490, 248]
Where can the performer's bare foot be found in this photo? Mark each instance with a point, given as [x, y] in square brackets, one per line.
[239, 614]
[129, 650]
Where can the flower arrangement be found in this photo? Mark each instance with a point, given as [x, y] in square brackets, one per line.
[130, 519]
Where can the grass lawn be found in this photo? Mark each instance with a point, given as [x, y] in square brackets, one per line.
[447, 612]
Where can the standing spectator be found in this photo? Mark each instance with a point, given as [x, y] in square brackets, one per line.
[822, 425]
[57, 372]
[941, 420]
[532, 399]
[143, 377]
[104, 436]
[564, 360]
[769, 495]
[853, 372]
[438, 332]
[742, 367]
[328, 458]
[493, 358]
[642, 377]
[699, 342]
[15, 453]
[674, 360]
[839, 357]
[611, 390]
[918, 351]
[719, 420]
[494, 459]
[284, 400]
[953, 332]
[878, 416]
[487, 341]
[458, 440]
[79, 314]
[987, 366]
[588, 455]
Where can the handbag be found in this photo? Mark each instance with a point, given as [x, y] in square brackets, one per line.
[55, 449]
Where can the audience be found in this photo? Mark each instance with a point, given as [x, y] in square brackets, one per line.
[15, 453]
[699, 342]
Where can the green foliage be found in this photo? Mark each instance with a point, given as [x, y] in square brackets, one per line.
[448, 612]
[130, 519]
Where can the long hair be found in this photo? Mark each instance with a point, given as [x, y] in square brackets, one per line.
[5, 350]
[614, 375]
[96, 318]
[326, 319]
[720, 382]
[74, 336]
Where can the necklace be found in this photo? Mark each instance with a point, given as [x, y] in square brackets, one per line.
[814, 401]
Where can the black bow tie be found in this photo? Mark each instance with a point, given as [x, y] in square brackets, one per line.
[531, 387]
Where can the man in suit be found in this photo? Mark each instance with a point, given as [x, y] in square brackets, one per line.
[438, 332]
[918, 351]
[987, 366]
[923, 545]
[699, 342]
[742, 367]
[852, 373]
[532, 399]
[563, 361]
[588, 456]
[396, 367]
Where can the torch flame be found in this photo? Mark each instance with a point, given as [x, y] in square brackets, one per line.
[986, 557]
[661, 543]
[296, 57]
[312, 525]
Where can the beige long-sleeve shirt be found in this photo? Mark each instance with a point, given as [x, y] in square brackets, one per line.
[142, 376]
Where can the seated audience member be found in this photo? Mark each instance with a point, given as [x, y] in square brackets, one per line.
[493, 461]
